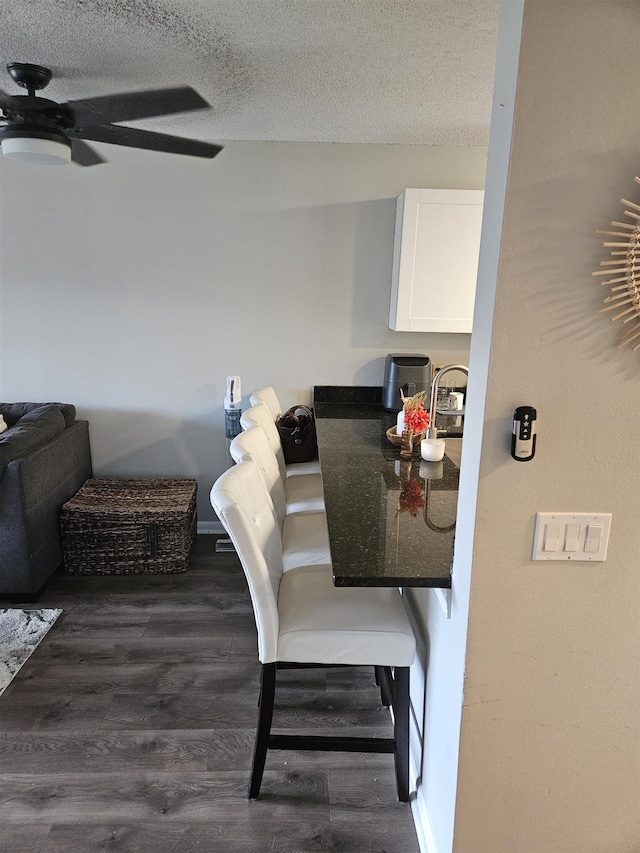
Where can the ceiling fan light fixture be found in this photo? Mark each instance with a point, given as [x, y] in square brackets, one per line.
[33, 149]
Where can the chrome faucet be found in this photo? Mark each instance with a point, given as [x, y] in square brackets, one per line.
[432, 431]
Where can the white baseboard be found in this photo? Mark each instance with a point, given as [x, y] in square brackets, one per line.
[420, 812]
[211, 528]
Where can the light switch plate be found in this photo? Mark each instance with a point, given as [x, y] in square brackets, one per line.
[577, 536]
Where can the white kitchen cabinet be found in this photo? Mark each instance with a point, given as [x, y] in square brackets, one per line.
[435, 260]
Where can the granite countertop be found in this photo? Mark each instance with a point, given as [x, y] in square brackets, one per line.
[391, 521]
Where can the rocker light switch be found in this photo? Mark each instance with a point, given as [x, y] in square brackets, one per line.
[572, 536]
[577, 536]
[551, 537]
[593, 538]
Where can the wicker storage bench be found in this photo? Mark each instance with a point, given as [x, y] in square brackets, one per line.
[123, 527]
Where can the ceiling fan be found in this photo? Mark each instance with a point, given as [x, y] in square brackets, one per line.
[37, 130]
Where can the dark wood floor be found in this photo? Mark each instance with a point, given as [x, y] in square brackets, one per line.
[131, 728]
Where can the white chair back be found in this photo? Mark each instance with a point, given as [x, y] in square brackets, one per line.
[269, 397]
[253, 444]
[244, 508]
[259, 415]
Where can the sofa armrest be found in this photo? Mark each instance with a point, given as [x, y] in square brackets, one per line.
[32, 492]
[37, 427]
[12, 412]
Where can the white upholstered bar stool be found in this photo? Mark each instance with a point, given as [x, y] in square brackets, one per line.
[260, 414]
[304, 621]
[289, 494]
[303, 524]
[269, 397]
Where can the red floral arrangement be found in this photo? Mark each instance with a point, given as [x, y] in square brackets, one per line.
[411, 497]
[416, 419]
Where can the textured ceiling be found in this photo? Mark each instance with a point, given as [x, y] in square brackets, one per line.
[386, 71]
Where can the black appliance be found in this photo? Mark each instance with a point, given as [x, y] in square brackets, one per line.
[411, 373]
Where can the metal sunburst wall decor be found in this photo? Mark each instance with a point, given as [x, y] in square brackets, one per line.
[625, 271]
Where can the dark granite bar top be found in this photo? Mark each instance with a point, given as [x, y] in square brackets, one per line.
[391, 521]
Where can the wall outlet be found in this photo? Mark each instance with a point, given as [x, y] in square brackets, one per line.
[577, 536]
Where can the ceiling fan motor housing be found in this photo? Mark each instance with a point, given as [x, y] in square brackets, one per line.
[33, 128]
[33, 131]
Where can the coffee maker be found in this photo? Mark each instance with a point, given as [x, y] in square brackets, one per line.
[409, 373]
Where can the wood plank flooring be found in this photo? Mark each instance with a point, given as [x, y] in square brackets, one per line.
[131, 728]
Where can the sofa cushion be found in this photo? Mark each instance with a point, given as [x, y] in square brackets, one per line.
[36, 427]
[12, 412]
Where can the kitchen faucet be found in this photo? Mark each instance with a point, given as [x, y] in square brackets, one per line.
[432, 431]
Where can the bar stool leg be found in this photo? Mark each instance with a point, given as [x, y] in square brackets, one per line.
[383, 680]
[265, 715]
[401, 730]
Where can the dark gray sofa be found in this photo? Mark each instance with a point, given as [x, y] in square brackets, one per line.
[44, 459]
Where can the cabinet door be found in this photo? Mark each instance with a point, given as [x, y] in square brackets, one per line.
[435, 262]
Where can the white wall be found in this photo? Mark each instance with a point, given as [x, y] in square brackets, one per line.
[550, 749]
[437, 675]
[133, 289]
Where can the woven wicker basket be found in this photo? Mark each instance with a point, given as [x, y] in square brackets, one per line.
[129, 527]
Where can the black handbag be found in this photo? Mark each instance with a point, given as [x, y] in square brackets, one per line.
[297, 429]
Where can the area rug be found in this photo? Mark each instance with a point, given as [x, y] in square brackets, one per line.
[20, 633]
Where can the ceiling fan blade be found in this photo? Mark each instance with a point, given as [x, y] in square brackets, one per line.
[148, 140]
[128, 106]
[84, 155]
